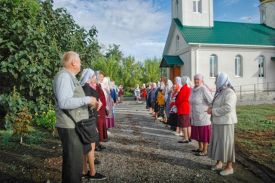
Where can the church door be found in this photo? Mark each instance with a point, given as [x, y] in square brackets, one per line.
[174, 72]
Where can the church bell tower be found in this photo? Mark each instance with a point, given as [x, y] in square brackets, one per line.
[193, 12]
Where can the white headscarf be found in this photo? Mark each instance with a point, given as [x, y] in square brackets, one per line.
[169, 84]
[106, 83]
[222, 81]
[178, 81]
[85, 76]
[186, 80]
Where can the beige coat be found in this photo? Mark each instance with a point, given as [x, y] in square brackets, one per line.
[224, 108]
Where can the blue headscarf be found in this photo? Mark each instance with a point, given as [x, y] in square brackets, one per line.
[86, 74]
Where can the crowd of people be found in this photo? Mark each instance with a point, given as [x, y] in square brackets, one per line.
[94, 97]
[192, 112]
[196, 113]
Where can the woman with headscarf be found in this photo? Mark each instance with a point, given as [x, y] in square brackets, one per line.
[224, 118]
[110, 119]
[88, 82]
[200, 100]
[167, 91]
[101, 120]
[143, 92]
[137, 93]
[183, 107]
[177, 87]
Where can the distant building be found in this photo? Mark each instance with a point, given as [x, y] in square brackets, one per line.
[198, 44]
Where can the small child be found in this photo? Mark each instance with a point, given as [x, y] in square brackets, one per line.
[161, 104]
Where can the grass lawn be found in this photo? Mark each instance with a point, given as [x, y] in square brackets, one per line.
[255, 133]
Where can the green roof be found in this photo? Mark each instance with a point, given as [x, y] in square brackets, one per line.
[229, 33]
[168, 61]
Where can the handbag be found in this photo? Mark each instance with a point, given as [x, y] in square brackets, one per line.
[86, 129]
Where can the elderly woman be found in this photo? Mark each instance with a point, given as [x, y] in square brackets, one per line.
[183, 107]
[177, 87]
[88, 82]
[137, 93]
[224, 118]
[110, 118]
[200, 100]
[101, 120]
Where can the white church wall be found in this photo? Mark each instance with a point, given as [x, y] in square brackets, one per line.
[226, 63]
[186, 68]
[172, 49]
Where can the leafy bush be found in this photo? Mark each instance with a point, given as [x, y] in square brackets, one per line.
[46, 120]
[128, 94]
[5, 136]
[13, 103]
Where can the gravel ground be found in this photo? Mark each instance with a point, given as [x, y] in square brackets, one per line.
[143, 150]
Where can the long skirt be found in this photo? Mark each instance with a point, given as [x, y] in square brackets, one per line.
[201, 133]
[110, 122]
[222, 145]
[101, 126]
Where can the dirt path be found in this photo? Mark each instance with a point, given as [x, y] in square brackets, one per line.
[143, 150]
[139, 150]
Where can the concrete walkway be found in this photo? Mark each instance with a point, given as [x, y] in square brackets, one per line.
[143, 150]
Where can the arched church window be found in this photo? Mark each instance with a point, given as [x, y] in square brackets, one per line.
[197, 6]
[213, 65]
[177, 8]
[238, 66]
[261, 66]
[177, 42]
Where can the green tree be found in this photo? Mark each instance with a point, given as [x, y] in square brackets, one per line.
[151, 70]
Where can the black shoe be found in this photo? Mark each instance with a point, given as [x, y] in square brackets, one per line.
[101, 147]
[84, 176]
[183, 142]
[196, 151]
[98, 149]
[97, 176]
[96, 162]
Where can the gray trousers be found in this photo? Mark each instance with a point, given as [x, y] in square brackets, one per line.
[72, 155]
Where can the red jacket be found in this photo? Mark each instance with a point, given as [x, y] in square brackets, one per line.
[182, 100]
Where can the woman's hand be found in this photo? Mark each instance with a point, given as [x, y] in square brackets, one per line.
[93, 101]
[209, 110]
[99, 105]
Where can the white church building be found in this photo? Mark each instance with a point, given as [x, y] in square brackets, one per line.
[198, 44]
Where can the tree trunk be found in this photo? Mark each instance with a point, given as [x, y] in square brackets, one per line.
[21, 139]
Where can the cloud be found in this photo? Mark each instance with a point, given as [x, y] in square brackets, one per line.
[130, 23]
[230, 2]
[249, 19]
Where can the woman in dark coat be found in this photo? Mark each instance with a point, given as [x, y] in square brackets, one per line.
[88, 82]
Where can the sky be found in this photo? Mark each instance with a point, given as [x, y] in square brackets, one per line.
[141, 27]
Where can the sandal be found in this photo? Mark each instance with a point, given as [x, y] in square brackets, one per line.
[201, 154]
